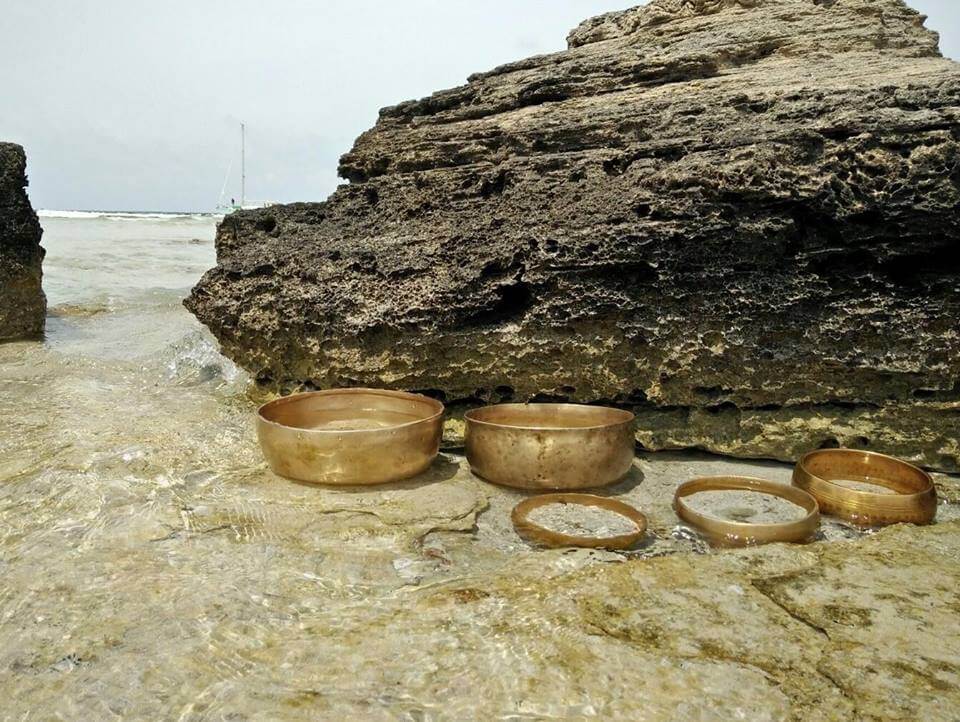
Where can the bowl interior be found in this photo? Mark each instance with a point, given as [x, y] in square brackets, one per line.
[550, 416]
[350, 410]
[839, 465]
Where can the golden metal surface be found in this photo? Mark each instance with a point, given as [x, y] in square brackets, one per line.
[914, 499]
[550, 446]
[538, 534]
[739, 534]
[350, 436]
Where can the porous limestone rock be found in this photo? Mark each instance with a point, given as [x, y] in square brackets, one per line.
[739, 217]
[23, 307]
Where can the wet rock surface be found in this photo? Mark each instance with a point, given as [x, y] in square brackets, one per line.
[23, 307]
[738, 218]
[182, 579]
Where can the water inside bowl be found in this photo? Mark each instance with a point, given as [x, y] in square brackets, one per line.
[869, 484]
[379, 419]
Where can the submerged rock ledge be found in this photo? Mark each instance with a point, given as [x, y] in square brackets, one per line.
[23, 307]
[741, 219]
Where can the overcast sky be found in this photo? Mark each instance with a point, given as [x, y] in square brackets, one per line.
[136, 105]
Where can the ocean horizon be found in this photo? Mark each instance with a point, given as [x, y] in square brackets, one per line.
[124, 215]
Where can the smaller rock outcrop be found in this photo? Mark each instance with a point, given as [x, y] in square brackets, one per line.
[23, 306]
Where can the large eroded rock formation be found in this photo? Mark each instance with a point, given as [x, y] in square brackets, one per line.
[740, 217]
[23, 307]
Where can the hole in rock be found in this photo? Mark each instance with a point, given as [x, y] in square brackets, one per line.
[711, 392]
[855, 262]
[505, 393]
[364, 262]
[830, 442]
[670, 154]
[870, 217]
[437, 394]
[721, 408]
[541, 93]
[494, 187]
[838, 134]
[267, 224]
[514, 300]
[907, 269]
[549, 399]
[614, 166]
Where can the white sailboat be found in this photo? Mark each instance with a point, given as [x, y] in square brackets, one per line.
[224, 207]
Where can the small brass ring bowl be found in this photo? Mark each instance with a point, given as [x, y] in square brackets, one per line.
[914, 500]
[550, 446]
[350, 436]
[720, 532]
[538, 534]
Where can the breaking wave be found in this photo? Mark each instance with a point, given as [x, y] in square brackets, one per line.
[128, 215]
[196, 359]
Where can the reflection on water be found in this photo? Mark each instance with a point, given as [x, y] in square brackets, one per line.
[362, 424]
[864, 483]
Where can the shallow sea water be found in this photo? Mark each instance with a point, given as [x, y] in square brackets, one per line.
[153, 568]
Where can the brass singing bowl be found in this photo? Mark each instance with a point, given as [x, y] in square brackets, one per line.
[914, 499]
[545, 537]
[350, 436]
[723, 533]
[550, 446]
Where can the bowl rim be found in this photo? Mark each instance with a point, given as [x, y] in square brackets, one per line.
[859, 494]
[438, 406]
[471, 419]
[750, 484]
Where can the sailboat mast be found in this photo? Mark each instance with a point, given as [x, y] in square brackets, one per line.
[243, 165]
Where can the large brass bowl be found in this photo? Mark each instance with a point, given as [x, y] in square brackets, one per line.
[350, 436]
[550, 446]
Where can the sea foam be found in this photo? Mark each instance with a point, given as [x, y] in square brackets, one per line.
[126, 215]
